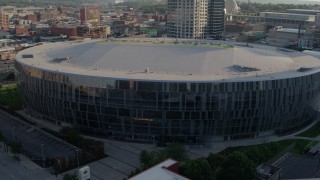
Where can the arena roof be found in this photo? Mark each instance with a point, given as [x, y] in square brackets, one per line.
[152, 59]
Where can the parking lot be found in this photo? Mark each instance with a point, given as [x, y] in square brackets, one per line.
[34, 140]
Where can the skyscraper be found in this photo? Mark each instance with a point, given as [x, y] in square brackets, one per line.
[199, 19]
[90, 14]
[4, 21]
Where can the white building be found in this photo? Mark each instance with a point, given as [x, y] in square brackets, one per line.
[162, 171]
[195, 19]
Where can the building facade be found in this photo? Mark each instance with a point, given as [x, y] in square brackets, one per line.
[288, 20]
[169, 110]
[195, 19]
[70, 31]
[90, 14]
[4, 21]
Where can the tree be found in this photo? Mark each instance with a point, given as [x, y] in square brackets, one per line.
[72, 135]
[237, 166]
[146, 158]
[11, 76]
[215, 161]
[198, 169]
[255, 155]
[177, 152]
[174, 151]
[70, 176]
[16, 148]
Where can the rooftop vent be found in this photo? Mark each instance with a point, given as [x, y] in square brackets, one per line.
[304, 69]
[245, 68]
[27, 55]
[61, 59]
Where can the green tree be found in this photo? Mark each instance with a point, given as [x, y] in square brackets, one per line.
[237, 167]
[255, 155]
[72, 135]
[16, 148]
[215, 161]
[70, 176]
[177, 152]
[198, 169]
[266, 151]
[146, 158]
[11, 76]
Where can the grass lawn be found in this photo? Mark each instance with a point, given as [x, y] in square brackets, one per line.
[9, 97]
[265, 152]
[311, 132]
[8, 88]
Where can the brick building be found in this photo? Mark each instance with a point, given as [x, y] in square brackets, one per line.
[90, 14]
[4, 21]
[68, 31]
[22, 30]
[32, 17]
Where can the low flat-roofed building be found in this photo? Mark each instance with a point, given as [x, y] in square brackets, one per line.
[285, 37]
[305, 17]
[166, 170]
[288, 20]
[303, 11]
[64, 30]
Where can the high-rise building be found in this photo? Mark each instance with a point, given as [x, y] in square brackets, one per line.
[199, 19]
[4, 21]
[90, 14]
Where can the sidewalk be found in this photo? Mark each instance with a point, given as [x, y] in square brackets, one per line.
[24, 161]
[27, 164]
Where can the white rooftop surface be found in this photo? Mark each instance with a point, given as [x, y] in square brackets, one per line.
[159, 173]
[168, 61]
[291, 30]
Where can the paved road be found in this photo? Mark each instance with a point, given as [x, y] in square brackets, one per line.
[10, 169]
[32, 138]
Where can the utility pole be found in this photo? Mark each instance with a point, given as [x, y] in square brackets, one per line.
[248, 12]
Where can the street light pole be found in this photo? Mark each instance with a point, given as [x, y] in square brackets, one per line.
[12, 129]
[153, 142]
[42, 155]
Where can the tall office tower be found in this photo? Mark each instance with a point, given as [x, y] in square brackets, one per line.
[199, 19]
[90, 14]
[4, 21]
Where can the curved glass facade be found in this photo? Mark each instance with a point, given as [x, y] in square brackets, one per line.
[170, 111]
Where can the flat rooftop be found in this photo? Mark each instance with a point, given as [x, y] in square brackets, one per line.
[166, 59]
[159, 172]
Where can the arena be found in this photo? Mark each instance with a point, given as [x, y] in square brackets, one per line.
[170, 90]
